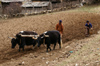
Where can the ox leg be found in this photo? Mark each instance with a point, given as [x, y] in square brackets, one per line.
[19, 49]
[48, 47]
[34, 43]
[59, 45]
[23, 48]
[54, 46]
[33, 46]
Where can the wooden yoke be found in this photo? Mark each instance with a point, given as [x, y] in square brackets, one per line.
[33, 36]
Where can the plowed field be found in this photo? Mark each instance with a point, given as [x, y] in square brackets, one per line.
[74, 28]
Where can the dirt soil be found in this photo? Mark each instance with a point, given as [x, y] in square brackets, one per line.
[73, 29]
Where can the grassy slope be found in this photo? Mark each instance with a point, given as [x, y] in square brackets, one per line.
[86, 53]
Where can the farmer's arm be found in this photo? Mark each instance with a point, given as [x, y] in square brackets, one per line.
[91, 26]
[57, 27]
[86, 26]
[62, 28]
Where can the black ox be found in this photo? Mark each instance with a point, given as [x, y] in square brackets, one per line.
[23, 40]
[49, 37]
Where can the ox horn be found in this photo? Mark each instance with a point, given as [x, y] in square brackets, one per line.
[46, 35]
[10, 37]
[35, 37]
[14, 35]
[42, 37]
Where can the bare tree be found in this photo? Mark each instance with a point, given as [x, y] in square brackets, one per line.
[13, 9]
[50, 1]
[62, 3]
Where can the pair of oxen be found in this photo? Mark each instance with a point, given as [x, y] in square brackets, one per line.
[32, 38]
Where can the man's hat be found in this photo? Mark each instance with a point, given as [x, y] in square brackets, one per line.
[60, 20]
[87, 21]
